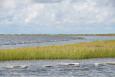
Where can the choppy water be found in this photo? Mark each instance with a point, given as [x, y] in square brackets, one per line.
[11, 41]
[58, 68]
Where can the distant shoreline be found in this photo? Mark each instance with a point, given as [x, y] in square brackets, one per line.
[64, 34]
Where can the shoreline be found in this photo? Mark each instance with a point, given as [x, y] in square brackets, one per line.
[93, 59]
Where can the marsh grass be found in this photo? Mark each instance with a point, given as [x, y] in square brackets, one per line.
[99, 49]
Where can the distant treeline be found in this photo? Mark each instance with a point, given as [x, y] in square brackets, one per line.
[60, 34]
[89, 34]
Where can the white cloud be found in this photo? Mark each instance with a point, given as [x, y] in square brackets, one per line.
[7, 4]
[33, 11]
[59, 12]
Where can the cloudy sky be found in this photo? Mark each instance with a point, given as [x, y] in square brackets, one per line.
[57, 16]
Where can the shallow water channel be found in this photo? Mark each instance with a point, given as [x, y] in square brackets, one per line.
[13, 41]
[59, 68]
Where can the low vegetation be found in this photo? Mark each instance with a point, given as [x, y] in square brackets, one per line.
[98, 49]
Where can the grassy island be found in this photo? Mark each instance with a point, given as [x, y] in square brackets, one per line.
[98, 49]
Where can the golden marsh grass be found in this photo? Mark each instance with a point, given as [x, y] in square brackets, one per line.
[99, 49]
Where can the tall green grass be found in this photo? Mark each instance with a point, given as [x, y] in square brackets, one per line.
[100, 49]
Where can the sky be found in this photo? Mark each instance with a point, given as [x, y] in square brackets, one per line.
[57, 16]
